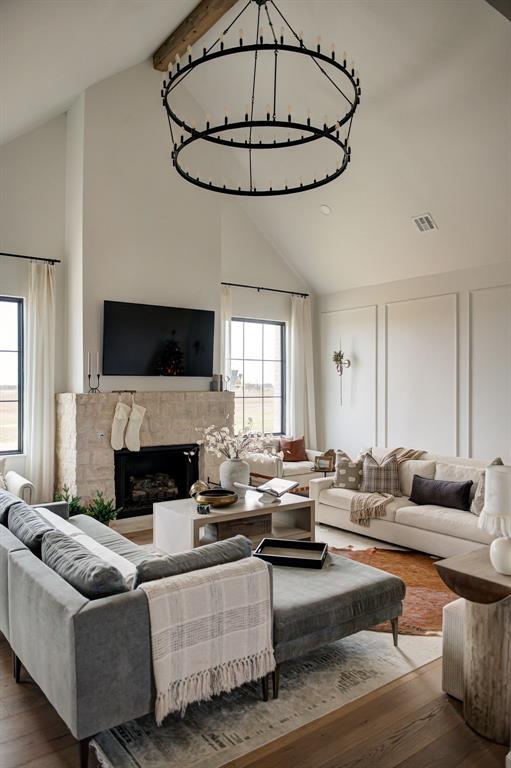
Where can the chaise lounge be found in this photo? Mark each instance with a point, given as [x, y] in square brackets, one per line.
[103, 645]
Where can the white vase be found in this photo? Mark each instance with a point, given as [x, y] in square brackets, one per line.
[234, 471]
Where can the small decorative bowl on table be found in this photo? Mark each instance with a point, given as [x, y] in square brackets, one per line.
[214, 497]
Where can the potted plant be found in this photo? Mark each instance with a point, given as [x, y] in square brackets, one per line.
[234, 448]
[102, 509]
[73, 502]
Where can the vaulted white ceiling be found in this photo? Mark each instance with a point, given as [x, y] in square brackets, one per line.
[431, 134]
[52, 50]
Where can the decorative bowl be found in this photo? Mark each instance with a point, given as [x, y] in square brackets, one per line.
[216, 497]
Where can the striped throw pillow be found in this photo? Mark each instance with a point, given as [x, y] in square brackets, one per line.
[380, 478]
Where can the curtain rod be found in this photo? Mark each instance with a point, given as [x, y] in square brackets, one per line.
[261, 288]
[30, 258]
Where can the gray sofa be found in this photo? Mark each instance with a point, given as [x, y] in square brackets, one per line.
[92, 658]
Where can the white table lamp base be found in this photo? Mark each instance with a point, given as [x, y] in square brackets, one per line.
[500, 555]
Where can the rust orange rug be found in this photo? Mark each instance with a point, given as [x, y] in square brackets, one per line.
[426, 593]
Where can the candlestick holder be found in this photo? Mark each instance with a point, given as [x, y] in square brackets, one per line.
[96, 389]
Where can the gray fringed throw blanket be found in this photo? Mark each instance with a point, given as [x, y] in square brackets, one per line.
[365, 507]
[211, 631]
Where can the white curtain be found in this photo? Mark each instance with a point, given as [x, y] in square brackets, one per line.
[40, 389]
[225, 335]
[301, 410]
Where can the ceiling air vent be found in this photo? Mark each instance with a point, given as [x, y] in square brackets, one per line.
[425, 222]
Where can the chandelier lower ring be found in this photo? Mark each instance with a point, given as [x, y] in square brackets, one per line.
[286, 190]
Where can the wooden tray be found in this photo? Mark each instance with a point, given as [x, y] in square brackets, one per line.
[297, 554]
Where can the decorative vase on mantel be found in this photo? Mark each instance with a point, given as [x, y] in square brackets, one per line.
[234, 471]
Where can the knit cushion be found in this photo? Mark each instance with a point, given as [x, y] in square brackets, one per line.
[7, 500]
[25, 523]
[348, 472]
[92, 576]
[163, 566]
[380, 478]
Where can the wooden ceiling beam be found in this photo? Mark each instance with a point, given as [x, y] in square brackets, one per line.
[195, 26]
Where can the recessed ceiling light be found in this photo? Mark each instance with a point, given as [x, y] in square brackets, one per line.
[325, 210]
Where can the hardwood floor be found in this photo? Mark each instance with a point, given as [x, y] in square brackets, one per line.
[408, 723]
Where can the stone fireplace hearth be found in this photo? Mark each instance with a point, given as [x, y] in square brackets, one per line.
[85, 460]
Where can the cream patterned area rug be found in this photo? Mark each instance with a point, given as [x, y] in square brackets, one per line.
[213, 733]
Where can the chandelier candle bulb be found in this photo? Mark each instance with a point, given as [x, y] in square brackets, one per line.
[318, 43]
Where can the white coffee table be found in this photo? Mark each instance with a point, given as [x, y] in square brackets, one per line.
[177, 524]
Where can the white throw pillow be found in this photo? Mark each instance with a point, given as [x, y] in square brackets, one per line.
[58, 522]
[460, 474]
[3, 484]
[408, 469]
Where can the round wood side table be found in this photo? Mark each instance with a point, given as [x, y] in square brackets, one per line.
[487, 647]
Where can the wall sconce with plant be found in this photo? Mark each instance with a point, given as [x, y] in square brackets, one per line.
[341, 362]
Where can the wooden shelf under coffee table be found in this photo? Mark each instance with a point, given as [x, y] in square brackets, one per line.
[177, 524]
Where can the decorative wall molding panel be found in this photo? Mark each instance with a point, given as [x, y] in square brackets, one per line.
[490, 371]
[353, 424]
[421, 380]
[431, 364]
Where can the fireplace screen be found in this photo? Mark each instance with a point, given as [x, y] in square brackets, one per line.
[161, 473]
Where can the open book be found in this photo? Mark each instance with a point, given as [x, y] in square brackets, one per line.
[277, 487]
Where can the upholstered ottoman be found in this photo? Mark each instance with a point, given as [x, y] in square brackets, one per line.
[314, 607]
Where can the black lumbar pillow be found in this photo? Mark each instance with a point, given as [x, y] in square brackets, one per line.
[85, 571]
[442, 493]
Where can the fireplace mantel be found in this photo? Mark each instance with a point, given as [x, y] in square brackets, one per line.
[84, 457]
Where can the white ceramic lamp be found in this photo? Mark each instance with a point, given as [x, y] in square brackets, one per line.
[496, 516]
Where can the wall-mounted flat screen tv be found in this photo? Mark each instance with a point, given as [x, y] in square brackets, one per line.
[146, 340]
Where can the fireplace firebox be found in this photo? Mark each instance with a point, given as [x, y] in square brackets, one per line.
[156, 473]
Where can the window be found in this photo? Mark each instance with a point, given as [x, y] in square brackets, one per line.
[258, 375]
[11, 375]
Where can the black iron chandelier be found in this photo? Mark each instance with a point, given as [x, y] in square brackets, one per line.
[242, 133]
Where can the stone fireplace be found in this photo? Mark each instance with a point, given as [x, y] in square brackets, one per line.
[86, 462]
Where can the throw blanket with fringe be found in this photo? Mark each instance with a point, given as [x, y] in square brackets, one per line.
[211, 631]
[365, 507]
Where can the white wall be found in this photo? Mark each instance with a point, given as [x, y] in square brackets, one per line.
[248, 258]
[148, 236]
[431, 364]
[32, 190]
[74, 243]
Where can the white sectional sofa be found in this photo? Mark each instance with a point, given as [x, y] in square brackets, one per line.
[436, 530]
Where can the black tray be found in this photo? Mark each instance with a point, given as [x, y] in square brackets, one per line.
[297, 554]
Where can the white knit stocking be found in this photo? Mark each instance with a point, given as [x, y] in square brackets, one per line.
[121, 416]
[133, 428]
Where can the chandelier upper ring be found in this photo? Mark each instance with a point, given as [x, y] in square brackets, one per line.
[181, 71]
